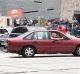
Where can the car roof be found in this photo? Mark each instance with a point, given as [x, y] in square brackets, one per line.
[29, 32]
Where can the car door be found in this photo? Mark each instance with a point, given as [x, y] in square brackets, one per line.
[42, 42]
[62, 44]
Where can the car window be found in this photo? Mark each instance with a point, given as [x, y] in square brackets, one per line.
[30, 36]
[38, 36]
[56, 35]
[41, 36]
[3, 31]
[35, 36]
[46, 36]
[19, 30]
[59, 36]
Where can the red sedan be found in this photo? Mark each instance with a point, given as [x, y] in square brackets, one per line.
[43, 42]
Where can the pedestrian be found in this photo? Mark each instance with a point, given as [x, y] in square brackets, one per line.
[17, 21]
[25, 21]
[61, 29]
[74, 30]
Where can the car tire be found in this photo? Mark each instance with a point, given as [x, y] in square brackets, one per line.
[28, 51]
[77, 52]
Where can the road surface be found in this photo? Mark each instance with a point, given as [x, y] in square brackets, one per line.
[40, 64]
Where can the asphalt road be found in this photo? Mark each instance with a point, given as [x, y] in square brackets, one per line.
[40, 64]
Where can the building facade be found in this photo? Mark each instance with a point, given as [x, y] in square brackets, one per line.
[49, 9]
[33, 8]
[70, 9]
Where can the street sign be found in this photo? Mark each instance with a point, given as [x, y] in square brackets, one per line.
[15, 13]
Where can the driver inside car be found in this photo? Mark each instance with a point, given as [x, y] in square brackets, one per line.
[54, 35]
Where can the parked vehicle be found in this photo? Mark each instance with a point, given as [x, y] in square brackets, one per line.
[41, 42]
[78, 33]
[4, 34]
[22, 29]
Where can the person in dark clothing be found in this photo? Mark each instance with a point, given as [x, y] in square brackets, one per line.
[74, 30]
[17, 22]
[25, 21]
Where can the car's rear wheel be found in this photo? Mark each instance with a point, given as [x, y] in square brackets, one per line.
[28, 51]
[77, 52]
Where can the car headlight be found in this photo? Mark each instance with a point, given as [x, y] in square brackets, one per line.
[3, 42]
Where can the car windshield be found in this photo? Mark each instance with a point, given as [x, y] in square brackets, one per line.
[3, 31]
[19, 30]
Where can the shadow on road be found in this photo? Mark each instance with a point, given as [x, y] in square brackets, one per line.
[44, 56]
[40, 55]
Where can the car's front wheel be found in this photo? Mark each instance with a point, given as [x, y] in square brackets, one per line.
[28, 51]
[77, 52]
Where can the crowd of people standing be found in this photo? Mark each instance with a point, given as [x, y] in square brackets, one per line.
[53, 24]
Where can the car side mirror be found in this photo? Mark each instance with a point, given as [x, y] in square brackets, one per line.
[65, 38]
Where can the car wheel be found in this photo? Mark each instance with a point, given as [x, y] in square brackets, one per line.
[28, 52]
[77, 52]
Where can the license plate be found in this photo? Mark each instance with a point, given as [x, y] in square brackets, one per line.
[2, 43]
